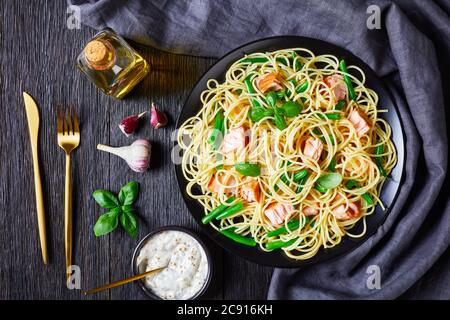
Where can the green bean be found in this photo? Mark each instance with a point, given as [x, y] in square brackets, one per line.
[317, 132]
[301, 184]
[350, 184]
[300, 175]
[291, 226]
[238, 238]
[248, 84]
[255, 60]
[368, 199]
[379, 150]
[219, 157]
[278, 244]
[218, 127]
[230, 211]
[332, 166]
[215, 212]
[331, 116]
[303, 87]
[262, 60]
[348, 81]
[297, 63]
[340, 105]
[321, 189]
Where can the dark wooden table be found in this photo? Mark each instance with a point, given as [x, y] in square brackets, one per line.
[38, 54]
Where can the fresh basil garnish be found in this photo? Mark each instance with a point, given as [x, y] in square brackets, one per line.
[291, 109]
[128, 193]
[120, 209]
[106, 199]
[107, 222]
[129, 223]
[280, 123]
[329, 180]
[248, 169]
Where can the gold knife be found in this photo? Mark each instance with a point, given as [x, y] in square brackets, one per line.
[33, 128]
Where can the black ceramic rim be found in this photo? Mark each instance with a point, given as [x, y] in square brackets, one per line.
[144, 240]
[390, 190]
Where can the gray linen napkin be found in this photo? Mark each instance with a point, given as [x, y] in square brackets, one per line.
[410, 53]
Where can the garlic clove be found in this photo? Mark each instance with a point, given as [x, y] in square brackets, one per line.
[158, 118]
[129, 125]
[137, 155]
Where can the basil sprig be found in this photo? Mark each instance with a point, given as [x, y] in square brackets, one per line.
[329, 180]
[120, 209]
[248, 169]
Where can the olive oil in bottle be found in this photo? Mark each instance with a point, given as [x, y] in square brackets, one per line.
[112, 64]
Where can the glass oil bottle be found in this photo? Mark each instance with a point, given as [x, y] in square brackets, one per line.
[112, 64]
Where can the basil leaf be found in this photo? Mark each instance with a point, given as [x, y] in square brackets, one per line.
[272, 99]
[291, 109]
[106, 223]
[128, 193]
[256, 114]
[126, 208]
[248, 169]
[329, 180]
[280, 123]
[281, 94]
[129, 223]
[105, 198]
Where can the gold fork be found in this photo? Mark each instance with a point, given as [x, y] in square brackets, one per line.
[68, 140]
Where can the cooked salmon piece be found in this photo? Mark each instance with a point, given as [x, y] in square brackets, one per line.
[313, 148]
[270, 81]
[337, 85]
[360, 122]
[234, 139]
[310, 211]
[216, 187]
[277, 212]
[249, 191]
[344, 212]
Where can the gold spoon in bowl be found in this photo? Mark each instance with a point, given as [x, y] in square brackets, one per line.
[123, 281]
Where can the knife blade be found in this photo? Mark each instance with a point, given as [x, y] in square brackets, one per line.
[32, 112]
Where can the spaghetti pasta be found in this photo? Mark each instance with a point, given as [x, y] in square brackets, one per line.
[300, 125]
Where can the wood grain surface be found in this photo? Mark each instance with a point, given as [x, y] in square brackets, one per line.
[38, 54]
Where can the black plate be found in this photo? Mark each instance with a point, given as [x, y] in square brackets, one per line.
[390, 190]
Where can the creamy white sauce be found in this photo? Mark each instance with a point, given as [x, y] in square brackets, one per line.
[187, 265]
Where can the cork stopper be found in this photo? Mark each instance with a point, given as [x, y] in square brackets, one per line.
[99, 54]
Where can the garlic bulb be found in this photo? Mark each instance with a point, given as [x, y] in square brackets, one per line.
[137, 155]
